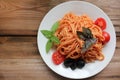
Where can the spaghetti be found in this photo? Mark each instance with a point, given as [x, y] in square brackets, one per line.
[70, 45]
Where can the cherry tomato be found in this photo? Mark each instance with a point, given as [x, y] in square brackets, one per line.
[101, 23]
[57, 58]
[106, 36]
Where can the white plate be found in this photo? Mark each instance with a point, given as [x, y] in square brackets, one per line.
[77, 7]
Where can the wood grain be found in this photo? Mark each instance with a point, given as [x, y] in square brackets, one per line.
[24, 16]
[20, 62]
[19, 56]
[18, 47]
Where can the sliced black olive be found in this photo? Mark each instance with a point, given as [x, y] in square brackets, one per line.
[80, 63]
[68, 62]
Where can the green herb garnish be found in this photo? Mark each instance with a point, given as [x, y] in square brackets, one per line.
[46, 33]
[87, 36]
[55, 26]
[48, 45]
[88, 43]
[49, 34]
[55, 39]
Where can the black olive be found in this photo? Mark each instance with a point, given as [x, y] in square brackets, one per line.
[73, 66]
[68, 62]
[80, 63]
[74, 63]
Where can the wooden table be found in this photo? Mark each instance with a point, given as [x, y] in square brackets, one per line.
[19, 56]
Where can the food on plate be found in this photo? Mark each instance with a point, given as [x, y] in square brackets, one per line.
[78, 40]
[57, 58]
[49, 34]
[101, 23]
[106, 36]
[74, 63]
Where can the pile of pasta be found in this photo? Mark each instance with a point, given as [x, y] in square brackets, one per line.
[70, 45]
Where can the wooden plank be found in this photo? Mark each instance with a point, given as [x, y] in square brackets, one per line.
[35, 68]
[18, 62]
[25, 47]
[18, 47]
[19, 56]
[22, 17]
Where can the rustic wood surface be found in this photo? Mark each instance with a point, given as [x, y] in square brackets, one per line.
[19, 56]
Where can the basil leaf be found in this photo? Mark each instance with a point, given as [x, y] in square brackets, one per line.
[48, 45]
[87, 33]
[50, 35]
[87, 36]
[55, 39]
[84, 49]
[81, 35]
[46, 33]
[55, 26]
[86, 46]
[93, 40]
[88, 43]
[86, 30]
